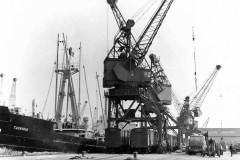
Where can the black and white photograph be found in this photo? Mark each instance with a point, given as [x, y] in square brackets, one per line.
[119, 79]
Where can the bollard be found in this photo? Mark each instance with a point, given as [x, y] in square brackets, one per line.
[83, 153]
[135, 155]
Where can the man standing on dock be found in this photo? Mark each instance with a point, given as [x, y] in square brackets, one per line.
[231, 149]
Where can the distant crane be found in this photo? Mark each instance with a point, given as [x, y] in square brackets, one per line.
[191, 108]
[12, 97]
[198, 99]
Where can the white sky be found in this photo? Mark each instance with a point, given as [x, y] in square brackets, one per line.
[29, 30]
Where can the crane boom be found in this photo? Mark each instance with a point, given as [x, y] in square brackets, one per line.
[176, 103]
[124, 36]
[198, 99]
[160, 83]
[205, 123]
[146, 38]
[117, 14]
[88, 96]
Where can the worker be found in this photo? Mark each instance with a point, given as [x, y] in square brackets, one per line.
[222, 145]
[164, 145]
[169, 148]
[231, 149]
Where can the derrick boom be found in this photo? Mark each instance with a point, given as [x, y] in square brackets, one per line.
[191, 109]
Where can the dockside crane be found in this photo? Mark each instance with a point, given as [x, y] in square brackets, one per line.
[192, 108]
[130, 77]
[198, 99]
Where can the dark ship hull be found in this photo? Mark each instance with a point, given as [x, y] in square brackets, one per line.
[25, 133]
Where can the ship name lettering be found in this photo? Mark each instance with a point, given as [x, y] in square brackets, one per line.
[20, 128]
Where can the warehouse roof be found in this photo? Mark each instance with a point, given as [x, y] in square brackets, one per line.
[221, 131]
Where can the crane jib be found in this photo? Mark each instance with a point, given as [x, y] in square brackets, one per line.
[146, 38]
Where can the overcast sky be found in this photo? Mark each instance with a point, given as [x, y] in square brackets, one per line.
[28, 40]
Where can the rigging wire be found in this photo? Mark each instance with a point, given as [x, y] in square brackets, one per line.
[45, 103]
[143, 10]
[88, 94]
[107, 16]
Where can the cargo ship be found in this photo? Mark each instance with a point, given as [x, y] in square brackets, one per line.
[33, 133]
[25, 133]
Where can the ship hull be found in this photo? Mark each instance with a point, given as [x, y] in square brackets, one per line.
[25, 133]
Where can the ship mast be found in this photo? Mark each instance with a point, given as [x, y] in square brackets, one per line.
[12, 97]
[66, 71]
[1, 89]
